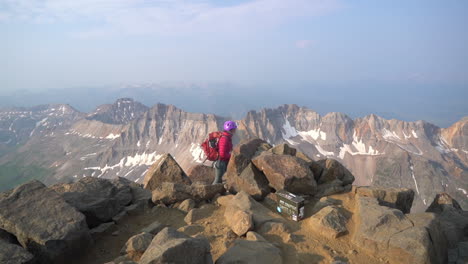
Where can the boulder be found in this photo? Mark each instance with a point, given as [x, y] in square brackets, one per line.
[197, 214]
[333, 187]
[245, 251]
[275, 229]
[44, 224]
[317, 168]
[170, 246]
[239, 221]
[98, 199]
[253, 236]
[252, 181]
[287, 172]
[169, 193]
[202, 192]
[201, 173]
[454, 220]
[7, 237]
[305, 158]
[153, 228]
[136, 246]
[186, 205]
[443, 202]
[240, 159]
[283, 149]
[387, 232]
[166, 169]
[14, 254]
[332, 170]
[329, 222]
[139, 194]
[398, 198]
[102, 228]
[324, 202]
[244, 202]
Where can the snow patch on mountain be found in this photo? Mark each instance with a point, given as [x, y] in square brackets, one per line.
[360, 146]
[112, 136]
[464, 191]
[138, 143]
[390, 135]
[315, 134]
[289, 131]
[196, 152]
[324, 152]
[414, 179]
[130, 161]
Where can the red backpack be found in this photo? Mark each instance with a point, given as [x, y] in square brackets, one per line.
[210, 146]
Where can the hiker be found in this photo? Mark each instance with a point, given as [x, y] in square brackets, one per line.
[225, 148]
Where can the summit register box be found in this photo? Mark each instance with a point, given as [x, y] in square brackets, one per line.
[290, 205]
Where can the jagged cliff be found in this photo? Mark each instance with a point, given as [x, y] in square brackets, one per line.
[125, 138]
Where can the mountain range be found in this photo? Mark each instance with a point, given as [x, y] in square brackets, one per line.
[57, 143]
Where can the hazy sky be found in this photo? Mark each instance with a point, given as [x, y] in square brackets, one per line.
[68, 43]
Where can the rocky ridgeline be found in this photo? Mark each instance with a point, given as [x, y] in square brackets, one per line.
[58, 224]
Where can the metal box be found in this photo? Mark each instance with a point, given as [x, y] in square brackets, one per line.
[290, 205]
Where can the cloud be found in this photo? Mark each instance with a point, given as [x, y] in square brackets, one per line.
[141, 17]
[302, 44]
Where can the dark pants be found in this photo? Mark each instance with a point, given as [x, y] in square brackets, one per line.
[220, 166]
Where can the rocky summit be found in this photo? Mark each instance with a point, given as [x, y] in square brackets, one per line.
[96, 220]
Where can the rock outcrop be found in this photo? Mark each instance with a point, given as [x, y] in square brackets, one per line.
[388, 232]
[98, 199]
[401, 198]
[166, 169]
[170, 246]
[44, 223]
[329, 222]
[287, 172]
[241, 175]
[202, 173]
[245, 251]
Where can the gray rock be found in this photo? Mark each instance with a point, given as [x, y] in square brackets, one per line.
[444, 202]
[332, 187]
[253, 236]
[169, 193]
[102, 228]
[332, 170]
[203, 192]
[197, 214]
[98, 199]
[398, 198]
[252, 181]
[287, 172]
[244, 202]
[283, 149]
[454, 221]
[186, 205]
[239, 221]
[44, 223]
[14, 254]
[202, 174]
[170, 246]
[7, 237]
[118, 217]
[388, 233]
[166, 169]
[136, 246]
[245, 251]
[153, 228]
[329, 222]
[240, 158]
